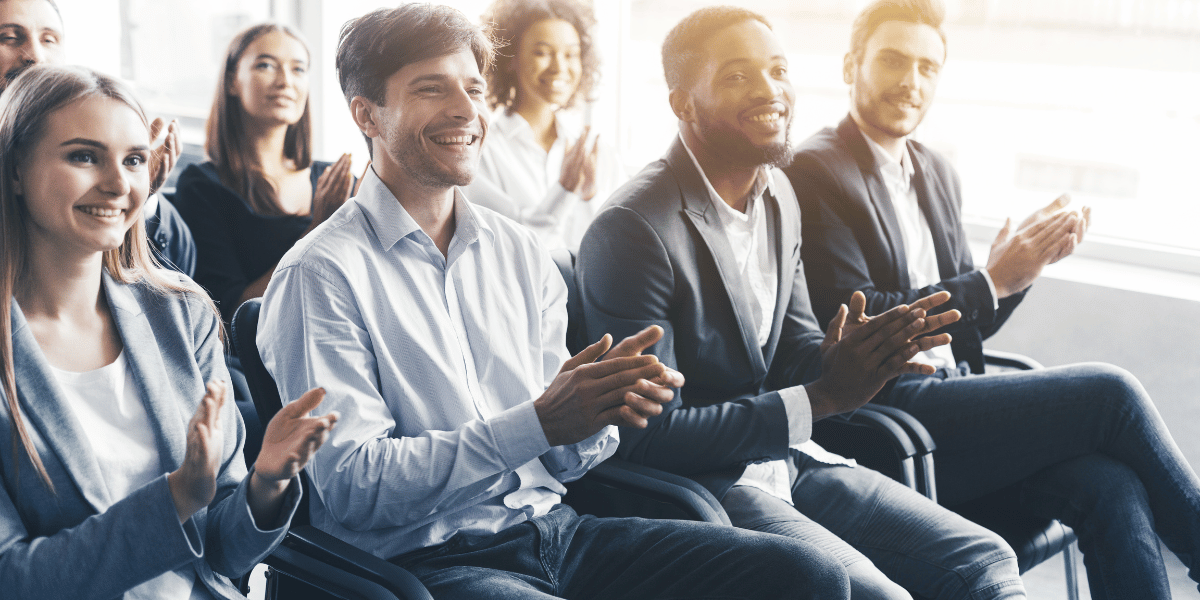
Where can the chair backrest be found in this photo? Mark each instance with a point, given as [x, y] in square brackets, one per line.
[245, 340]
[565, 260]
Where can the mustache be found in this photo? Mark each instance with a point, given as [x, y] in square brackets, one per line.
[12, 74]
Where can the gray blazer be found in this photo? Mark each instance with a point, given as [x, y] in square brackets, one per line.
[657, 254]
[78, 542]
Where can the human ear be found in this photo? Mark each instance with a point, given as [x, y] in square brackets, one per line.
[362, 110]
[18, 189]
[848, 64]
[682, 105]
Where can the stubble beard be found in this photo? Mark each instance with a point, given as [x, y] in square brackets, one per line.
[424, 170]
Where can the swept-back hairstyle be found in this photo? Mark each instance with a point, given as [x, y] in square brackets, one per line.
[507, 21]
[25, 108]
[374, 46]
[225, 137]
[922, 12]
[682, 47]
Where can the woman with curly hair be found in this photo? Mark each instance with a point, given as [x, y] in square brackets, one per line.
[540, 166]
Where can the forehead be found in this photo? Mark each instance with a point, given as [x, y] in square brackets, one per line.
[747, 41]
[555, 32]
[457, 66]
[277, 44]
[105, 120]
[30, 14]
[917, 40]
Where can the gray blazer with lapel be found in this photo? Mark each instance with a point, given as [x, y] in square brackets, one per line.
[78, 542]
[657, 254]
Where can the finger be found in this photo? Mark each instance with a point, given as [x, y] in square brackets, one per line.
[931, 301]
[618, 378]
[587, 355]
[892, 320]
[933, 341]
[643, 406]
[1042, 228]
[636, 343]
[1048, 240]
[1058, 204]
[915, 368]
[669, 378]
[595, 153]
[894, 334]
[158, 132]
[304, 404]
[641, 388]
[833, 333]
[858, 308]
[622, 416]
[172, 145]
[940, 320]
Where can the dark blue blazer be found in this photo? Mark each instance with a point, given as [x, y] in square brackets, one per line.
[657, 254]
[852, 238]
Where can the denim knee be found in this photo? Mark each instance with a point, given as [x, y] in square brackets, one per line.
[993, 572]
[803, 570]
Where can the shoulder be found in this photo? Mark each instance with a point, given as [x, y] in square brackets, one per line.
[342, 239]
[934, 159]
[653, 193]
[823, 151]
[171, 301]
[200, 185]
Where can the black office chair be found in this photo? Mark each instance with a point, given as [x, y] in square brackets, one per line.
[310, 561]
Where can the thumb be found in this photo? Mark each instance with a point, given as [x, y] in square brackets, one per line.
[1002, 236]
[858, 307]
[304, 404]
[636, 343]
[588, 355]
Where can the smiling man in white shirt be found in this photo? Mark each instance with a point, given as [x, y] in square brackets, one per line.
[438, 331]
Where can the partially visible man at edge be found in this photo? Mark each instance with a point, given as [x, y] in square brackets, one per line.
[438, 331]
[882, 214]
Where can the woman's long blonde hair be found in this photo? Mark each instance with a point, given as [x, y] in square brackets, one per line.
[25, 108]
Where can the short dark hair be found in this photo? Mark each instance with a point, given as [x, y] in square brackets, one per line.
[922, 12]
[374, 46]
[507, 21]
[681, 48]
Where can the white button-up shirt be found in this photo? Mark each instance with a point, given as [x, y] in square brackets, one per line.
[520, 180]
[916, 235]
[433, 363]
[747, 234]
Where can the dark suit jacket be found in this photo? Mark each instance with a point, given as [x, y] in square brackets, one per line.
[657, 254]
[852, 238]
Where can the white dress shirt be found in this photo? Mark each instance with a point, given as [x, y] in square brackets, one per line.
[520, 180]
[433, 363]
[917, 236]
[747, 234]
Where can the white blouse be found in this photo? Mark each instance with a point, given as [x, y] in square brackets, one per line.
[110, 411]
[519, 179]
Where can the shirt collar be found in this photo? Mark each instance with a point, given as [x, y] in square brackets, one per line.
[511, 125]
[763, 182]
[888, 165]
[392, 223]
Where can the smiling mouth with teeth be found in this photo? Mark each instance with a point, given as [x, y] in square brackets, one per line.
[102, 212]
[457, 140]
[765, 118]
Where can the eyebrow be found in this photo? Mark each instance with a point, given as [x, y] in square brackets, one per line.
[100, 146]
[277, 59]
[904, 55]
[733, 61]
[442, 78]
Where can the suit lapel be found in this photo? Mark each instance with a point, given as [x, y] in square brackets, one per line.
[49, 413]
[881, 201]
[698, 208]
[145, 361]
[935, 215]
[781, 208]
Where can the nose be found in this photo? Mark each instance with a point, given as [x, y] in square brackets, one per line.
[35, 52]
[463, 106]
[115, 180]
[911, 76]
[766, 86]
[558, 62]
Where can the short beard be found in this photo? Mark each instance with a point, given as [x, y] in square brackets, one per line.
[426, 171]
[732, 145]
[13, 74]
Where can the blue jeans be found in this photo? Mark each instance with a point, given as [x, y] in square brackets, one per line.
[882, 530]
[562, 555]
[1087, 447]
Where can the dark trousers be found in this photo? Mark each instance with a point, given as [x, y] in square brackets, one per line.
[562, 555]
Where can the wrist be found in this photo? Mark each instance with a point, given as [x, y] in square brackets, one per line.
[1001, 286]
[264, 487]
[184, 507]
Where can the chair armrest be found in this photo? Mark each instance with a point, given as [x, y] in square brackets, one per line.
[312, 543]
[326, 578]
[681, 492]
[922, 441]
[1011, 360]
[872, 438]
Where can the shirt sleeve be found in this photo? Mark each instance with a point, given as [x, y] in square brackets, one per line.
[991, 288]
[312, 334]
[799, 414]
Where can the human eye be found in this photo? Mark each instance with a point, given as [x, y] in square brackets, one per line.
[929, 69]
[86, 157]
[300, 70]
[10, 37]
[50, 38]
[264, 65]
[137, 159]
[779, 72]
